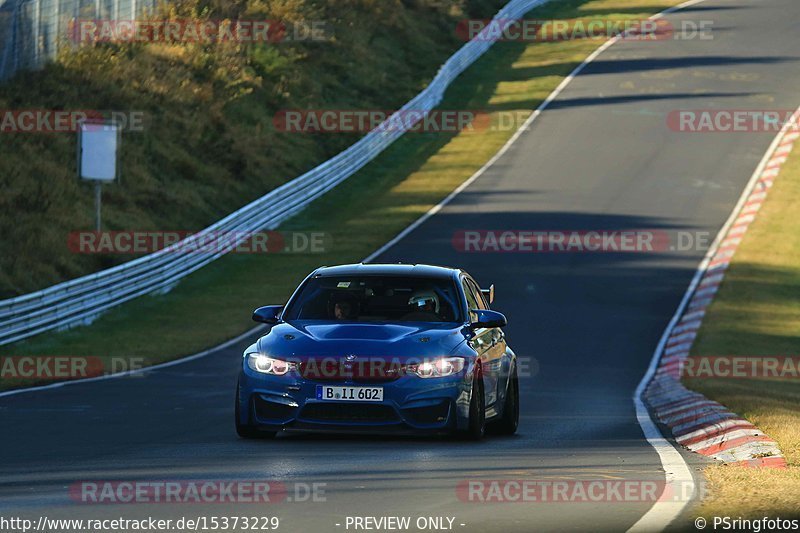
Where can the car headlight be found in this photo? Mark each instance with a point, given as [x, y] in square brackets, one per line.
[438, 368]
[268, 365]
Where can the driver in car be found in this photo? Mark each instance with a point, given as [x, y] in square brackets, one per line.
[344, 311]
[424, 307]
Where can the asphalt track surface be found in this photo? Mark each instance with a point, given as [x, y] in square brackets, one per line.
[600, 157]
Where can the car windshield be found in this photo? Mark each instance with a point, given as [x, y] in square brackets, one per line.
[376, 299]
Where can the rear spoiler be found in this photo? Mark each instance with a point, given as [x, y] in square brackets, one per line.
[489, 293]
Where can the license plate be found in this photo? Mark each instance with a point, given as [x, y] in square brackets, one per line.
[349, 394]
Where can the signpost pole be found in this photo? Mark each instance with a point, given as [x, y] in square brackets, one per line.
[98, 191]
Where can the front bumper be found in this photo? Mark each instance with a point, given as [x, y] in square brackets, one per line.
[410, 405]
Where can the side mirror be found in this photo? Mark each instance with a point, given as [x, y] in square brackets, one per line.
[489, 293]
[485, 318]
[268, 314]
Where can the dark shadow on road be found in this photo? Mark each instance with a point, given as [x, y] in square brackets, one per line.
[615, 66]
[564, 103]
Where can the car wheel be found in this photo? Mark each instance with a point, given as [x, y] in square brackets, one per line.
[246, 431]
[509, 421]
[477, 411]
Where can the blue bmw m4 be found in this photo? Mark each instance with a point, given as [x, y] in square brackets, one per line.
[380, 348]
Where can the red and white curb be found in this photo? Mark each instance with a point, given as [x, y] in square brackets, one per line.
[697, 423]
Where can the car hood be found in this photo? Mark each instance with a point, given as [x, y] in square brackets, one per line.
[310, 339]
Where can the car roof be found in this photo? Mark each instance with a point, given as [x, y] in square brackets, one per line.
[396, 269]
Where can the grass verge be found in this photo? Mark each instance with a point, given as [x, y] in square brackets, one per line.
[756, 313]
[207, 142]
[410, 177]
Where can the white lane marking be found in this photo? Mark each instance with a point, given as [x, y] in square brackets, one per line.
[678, 476]
[676, 470]
[544, 105]
[663, 513]
[524, 127]
[159, 366]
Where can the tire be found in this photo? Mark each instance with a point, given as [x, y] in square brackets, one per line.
[477, 411]
[509, 421]
[246, 431]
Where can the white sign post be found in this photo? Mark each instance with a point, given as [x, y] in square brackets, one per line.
[98, 156]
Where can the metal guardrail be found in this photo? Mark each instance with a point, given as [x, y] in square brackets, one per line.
[81, 300]
[32, 31]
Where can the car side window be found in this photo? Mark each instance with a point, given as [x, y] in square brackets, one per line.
[478, 295]
[472, 302]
